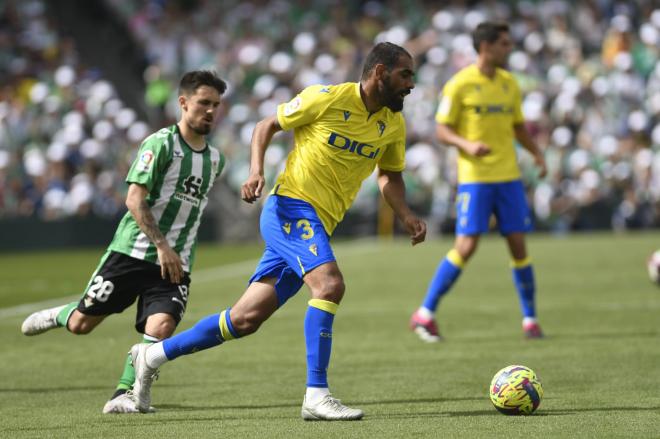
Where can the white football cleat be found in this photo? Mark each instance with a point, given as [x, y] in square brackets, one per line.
[144, 377]
[329, 409]
[41, 321]
[123, 404]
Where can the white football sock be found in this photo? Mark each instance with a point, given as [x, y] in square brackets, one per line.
[314, 395]
[528, 320]
[150, 339]
[156, 355]
[425, 312]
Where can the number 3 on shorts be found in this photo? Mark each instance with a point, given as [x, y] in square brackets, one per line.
[308, 232]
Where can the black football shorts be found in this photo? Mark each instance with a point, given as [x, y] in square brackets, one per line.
[120, 280]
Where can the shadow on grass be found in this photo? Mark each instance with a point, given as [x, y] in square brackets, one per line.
[80, 388]
[485, 338]
[606, 335]
[495, 413]
[424, 413]
[55, 389]
[298, 403]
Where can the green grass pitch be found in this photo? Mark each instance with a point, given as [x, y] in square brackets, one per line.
[599, 364]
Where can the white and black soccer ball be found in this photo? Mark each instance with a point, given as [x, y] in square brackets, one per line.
[653, 266]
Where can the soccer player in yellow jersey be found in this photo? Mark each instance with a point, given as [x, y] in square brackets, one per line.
[480, 113]
[342, 133]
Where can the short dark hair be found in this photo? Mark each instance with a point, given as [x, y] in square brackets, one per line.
[387, 54]
[488, 31]
[191, 81]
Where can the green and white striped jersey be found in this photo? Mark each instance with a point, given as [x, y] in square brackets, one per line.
[178, 179]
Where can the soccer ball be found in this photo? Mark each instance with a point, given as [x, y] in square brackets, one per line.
[515, 390]
[653, 265]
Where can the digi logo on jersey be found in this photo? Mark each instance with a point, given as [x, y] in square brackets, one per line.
[493, 109]
[354, 146]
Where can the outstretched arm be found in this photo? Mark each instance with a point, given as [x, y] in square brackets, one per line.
[170, 263]
[394, 191]
[263, 133]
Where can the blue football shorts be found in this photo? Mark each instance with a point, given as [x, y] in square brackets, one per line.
[475, 202]
[296, 243]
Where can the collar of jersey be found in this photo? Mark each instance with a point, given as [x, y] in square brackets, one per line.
[484, 77]
[201, 151]
[363, 105]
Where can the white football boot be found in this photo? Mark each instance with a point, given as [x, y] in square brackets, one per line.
[41, 321]
[329, 409]
[144, 377]
[123, 404]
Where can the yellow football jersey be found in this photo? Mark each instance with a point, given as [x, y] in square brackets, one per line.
[486, 110]
[338, 144]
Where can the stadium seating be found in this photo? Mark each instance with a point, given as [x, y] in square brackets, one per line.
[590, 72]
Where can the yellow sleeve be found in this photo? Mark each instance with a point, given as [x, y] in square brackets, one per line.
[518, 117]
[394, 157]
[305, 108]
[450, 104]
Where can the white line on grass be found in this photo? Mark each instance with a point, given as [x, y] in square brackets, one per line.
[205, 275]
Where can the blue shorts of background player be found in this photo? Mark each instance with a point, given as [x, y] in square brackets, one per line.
[475, 202]
[296, 243]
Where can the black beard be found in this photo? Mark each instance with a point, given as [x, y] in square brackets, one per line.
[391, 99]
[394, 103]
[201, 130]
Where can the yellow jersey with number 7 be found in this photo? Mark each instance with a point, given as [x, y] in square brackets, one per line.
[483, 109]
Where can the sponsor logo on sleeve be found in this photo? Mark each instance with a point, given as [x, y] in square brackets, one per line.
[445, 106]
[292, 106]
[145, 162]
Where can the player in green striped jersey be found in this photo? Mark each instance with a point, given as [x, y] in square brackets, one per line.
[152, 253]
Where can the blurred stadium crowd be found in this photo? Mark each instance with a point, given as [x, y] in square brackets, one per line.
[590, 72]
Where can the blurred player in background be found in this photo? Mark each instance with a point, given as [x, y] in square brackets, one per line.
[152, 252]
[342, 133]
[480, 113]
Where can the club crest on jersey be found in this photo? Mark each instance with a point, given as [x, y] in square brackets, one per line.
[145, 162]
[381, 126]
[292, 106]
[347, 114]
[314, 249]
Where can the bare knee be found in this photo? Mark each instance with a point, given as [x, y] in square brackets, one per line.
[466, 246]
[160, 325]
[331, 289]
[246, 322]
[82, 324]
[254, 307]
[80, 327]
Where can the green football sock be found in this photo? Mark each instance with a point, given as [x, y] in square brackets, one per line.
[128, 375]
[63, 316]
